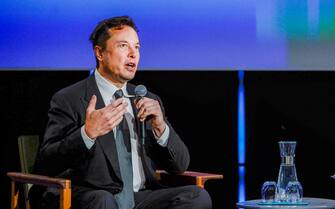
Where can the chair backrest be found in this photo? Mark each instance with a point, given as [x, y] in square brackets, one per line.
[28, 148]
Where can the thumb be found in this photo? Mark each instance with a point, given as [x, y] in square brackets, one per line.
[91, 105]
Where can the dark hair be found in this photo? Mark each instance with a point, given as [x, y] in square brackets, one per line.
[100, 34]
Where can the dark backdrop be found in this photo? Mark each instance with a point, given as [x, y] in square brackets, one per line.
[291, 106]
[200, 105]
[202, 108]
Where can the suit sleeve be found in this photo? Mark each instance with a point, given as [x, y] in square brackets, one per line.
[174, 158]
[63, 147]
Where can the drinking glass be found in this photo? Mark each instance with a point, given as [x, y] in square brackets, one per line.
[294, 192]
[269, 189]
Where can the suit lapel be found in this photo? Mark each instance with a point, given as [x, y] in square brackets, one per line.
[107, 141]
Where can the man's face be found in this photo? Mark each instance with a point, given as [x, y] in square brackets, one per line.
[120, 58]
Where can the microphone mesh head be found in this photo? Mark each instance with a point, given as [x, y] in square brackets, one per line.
[140, 91]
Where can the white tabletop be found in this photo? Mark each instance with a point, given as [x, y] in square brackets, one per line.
[314, 203]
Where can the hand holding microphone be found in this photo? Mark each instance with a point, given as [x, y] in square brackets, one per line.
[149, 109]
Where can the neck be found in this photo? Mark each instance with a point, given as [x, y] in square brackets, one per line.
[109, 76]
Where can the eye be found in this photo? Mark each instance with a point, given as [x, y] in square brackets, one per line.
[123, 45]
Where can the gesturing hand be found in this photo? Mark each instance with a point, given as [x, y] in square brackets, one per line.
[150, 107]
[100, 122]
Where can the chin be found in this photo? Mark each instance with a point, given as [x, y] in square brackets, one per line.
[128, 77]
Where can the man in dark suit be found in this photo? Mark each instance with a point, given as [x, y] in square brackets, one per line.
[91, 136]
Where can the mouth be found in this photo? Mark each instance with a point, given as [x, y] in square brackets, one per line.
[130, 65]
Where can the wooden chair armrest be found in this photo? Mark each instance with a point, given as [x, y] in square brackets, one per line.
[186, 178]
[64, 186]
[40, 180]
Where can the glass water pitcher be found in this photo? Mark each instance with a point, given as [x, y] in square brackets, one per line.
[287, 171]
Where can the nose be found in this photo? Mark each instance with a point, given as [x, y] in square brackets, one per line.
[132, 52]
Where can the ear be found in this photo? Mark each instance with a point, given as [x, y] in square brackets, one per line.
[98, 52]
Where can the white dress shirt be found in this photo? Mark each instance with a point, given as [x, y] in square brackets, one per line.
[107, 90]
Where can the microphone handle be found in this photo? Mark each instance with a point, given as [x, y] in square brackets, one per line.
[142, 124]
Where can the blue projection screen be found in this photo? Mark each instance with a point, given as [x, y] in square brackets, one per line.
[174, 34]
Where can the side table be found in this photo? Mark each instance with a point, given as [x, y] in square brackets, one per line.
[314, 203]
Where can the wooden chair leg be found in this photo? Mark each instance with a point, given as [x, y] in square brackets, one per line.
[65, 198]
[14, 196]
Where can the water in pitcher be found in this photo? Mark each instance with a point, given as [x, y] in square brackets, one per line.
[287, 171]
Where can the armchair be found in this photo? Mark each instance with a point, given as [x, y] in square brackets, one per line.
[28, 148]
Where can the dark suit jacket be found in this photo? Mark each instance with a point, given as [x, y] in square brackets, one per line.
[64, 154]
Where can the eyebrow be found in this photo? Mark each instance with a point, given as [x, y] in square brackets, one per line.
[138, 43]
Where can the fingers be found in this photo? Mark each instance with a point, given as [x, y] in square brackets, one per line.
[141, 102]
[101, 121]
[148, 107]
[117, 102]
[111, 117]
[112, 113]
[91, 105]
[151, 109]
[115, 120]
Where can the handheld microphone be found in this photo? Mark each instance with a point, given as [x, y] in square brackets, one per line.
[140, 92]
